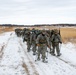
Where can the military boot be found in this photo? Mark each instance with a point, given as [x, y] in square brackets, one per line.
[28, 50]
[44, 61]
[59, 54]
[34, 53]
[53, 54]
[38, 58]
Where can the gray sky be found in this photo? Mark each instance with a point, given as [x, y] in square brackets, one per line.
[37, 11]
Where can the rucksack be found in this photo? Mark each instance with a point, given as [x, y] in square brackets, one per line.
[42, 40]
[56, 38]
[27, 36]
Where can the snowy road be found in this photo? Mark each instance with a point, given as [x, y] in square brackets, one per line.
[15, 60]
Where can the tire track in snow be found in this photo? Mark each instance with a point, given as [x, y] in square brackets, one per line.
[1, 51]
[24, 64]
[35, 72]
[59, 67]
[26, 68]
[9, 63]
[74, 66]
[4, 45]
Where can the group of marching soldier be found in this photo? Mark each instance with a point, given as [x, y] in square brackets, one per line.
[40, 40]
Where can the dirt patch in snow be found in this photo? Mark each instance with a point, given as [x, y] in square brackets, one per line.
[26, 68]
[32, 65]
[1, 51]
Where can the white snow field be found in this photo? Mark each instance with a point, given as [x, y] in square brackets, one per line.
[15, 60]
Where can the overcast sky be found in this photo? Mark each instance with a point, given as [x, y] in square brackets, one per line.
[37, 11]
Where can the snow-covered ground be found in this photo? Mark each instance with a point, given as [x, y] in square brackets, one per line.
[15, 60]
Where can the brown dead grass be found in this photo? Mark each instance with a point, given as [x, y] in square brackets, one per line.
[26, 68]
[68, 34]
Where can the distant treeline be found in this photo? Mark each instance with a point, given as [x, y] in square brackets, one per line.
[37, 25]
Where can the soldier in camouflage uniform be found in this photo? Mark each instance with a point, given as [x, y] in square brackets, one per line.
[56, 39]
[42, 42]
[33, 41]
[23, 32]
[49, 36]
[27, 39]
[18, 32]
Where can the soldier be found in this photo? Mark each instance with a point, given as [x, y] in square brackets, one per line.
[49, 36]
[42, 42]
[18, 32]
[23, 32]
[33, 41]
[56, 39]
[27, 39]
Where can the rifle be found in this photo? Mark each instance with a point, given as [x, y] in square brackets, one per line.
[59, 32]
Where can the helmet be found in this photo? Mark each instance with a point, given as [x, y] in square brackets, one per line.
[33, 30]
[56, 31]
[43, 31]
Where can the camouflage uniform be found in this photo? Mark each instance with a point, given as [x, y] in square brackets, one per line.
[23, 32]
[42, 42]
[56, 39]
[18, 32]
[49, 36]
[33, 41]
[27, 39]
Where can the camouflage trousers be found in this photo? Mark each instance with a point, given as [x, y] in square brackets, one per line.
[28, 46]
[42, 50]
[56, 46]
[34, 47]
[50, 43]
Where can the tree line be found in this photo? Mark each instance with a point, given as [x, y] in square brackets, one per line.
[37, 25]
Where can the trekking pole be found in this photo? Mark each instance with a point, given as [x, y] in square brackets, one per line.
[36, 55]
[60, 46]
[46, 57]
[46, 54]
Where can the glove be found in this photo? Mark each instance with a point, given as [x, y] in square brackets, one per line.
[38, 44]
[60, 42]
[49, 46]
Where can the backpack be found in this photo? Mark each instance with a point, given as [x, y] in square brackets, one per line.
[56, 38]
[42, 40]
[33, 36]
[27, 36]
